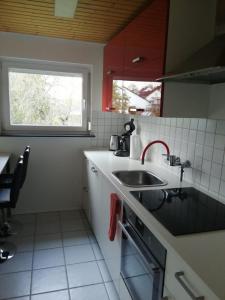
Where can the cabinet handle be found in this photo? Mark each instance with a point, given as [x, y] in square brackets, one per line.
[94, 170]
[137, 59]
[109, 72]
[178, 276]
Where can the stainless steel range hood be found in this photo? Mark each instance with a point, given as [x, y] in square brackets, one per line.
[207, 65]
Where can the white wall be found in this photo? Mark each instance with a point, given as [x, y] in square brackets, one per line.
[217, 101]
[54, 175]
[59, 50]
[186, 100]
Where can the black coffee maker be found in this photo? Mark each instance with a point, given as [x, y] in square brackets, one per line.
[124, 140]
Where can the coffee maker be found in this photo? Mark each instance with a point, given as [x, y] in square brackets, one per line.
[124, 140]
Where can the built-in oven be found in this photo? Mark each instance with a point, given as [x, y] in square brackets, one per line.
[142, 259]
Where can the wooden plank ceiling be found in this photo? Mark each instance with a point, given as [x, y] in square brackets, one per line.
[94, 20]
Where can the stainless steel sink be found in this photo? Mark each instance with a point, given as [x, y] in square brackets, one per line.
[138, 178]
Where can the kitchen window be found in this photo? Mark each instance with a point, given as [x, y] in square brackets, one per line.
[44, 99]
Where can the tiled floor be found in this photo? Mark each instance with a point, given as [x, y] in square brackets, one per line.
[57, 258]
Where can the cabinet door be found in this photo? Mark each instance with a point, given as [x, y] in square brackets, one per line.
[145, 43]
[190, 282]
[111, 250]
[94, 181]
[133, 60]
[112, 69]
[85, 194]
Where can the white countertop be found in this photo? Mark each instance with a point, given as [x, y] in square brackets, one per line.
[203, 253]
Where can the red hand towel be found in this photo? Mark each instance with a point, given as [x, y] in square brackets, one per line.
[114, 211]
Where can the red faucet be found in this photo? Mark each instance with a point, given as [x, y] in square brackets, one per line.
[152, 143]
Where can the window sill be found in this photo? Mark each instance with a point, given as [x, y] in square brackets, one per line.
[80, 135]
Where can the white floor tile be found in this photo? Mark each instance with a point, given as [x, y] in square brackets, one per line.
[86, 224]
[60, 295]
[48, 228]
[48, 241]
[83, 274]
[73, 225]
[75, 238]
[111, 290]
[47, 280]
[47, 217]
[21, 285]
[24, 218]
[92, 237]
[20, 262]
[78, 254]
[104, 271]
[26, 230]
[23, 244]
[22, 298]
[48, 258]
[91, 292]
[97, 251]
[71, 214]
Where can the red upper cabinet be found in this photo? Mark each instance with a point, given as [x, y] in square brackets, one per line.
[137, 53]
[113, 68]
[145, 43]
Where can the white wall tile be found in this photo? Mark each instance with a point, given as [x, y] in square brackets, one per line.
[220, 141]
[220, 127]
[209, 139]
[216, 170]
[214, 185]
[211, 126]
[201, 141]
[202, 124]
[218, 156]
[208, 153]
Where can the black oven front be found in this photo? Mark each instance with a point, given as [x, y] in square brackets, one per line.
[142, 259]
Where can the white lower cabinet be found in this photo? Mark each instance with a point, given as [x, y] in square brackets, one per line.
[182, 283]
[99, 191]
[167, 295]
[85, 195]
[111, 249]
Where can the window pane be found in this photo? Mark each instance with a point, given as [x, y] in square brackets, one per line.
[142, 97]
[39, 98]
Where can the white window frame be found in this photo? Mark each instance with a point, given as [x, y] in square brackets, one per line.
[47, 68]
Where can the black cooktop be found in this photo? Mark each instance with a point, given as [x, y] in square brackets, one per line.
[183, 210]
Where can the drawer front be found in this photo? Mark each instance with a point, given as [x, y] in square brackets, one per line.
[183, 283]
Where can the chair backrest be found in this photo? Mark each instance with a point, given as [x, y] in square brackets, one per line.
[26, 155]
[16, 182]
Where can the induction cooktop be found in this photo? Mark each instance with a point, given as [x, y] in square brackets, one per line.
[183, 210]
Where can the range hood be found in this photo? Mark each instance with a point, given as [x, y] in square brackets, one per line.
[207, 65]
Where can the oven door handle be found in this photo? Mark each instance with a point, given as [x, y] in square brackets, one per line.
[150, 266]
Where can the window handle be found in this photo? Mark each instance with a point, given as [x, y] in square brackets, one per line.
[84, 104]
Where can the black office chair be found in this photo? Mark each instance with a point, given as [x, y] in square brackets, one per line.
[8, 199]
[6, 179]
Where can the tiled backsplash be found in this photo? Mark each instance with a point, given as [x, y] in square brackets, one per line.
[202, 141]
[104, 125]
